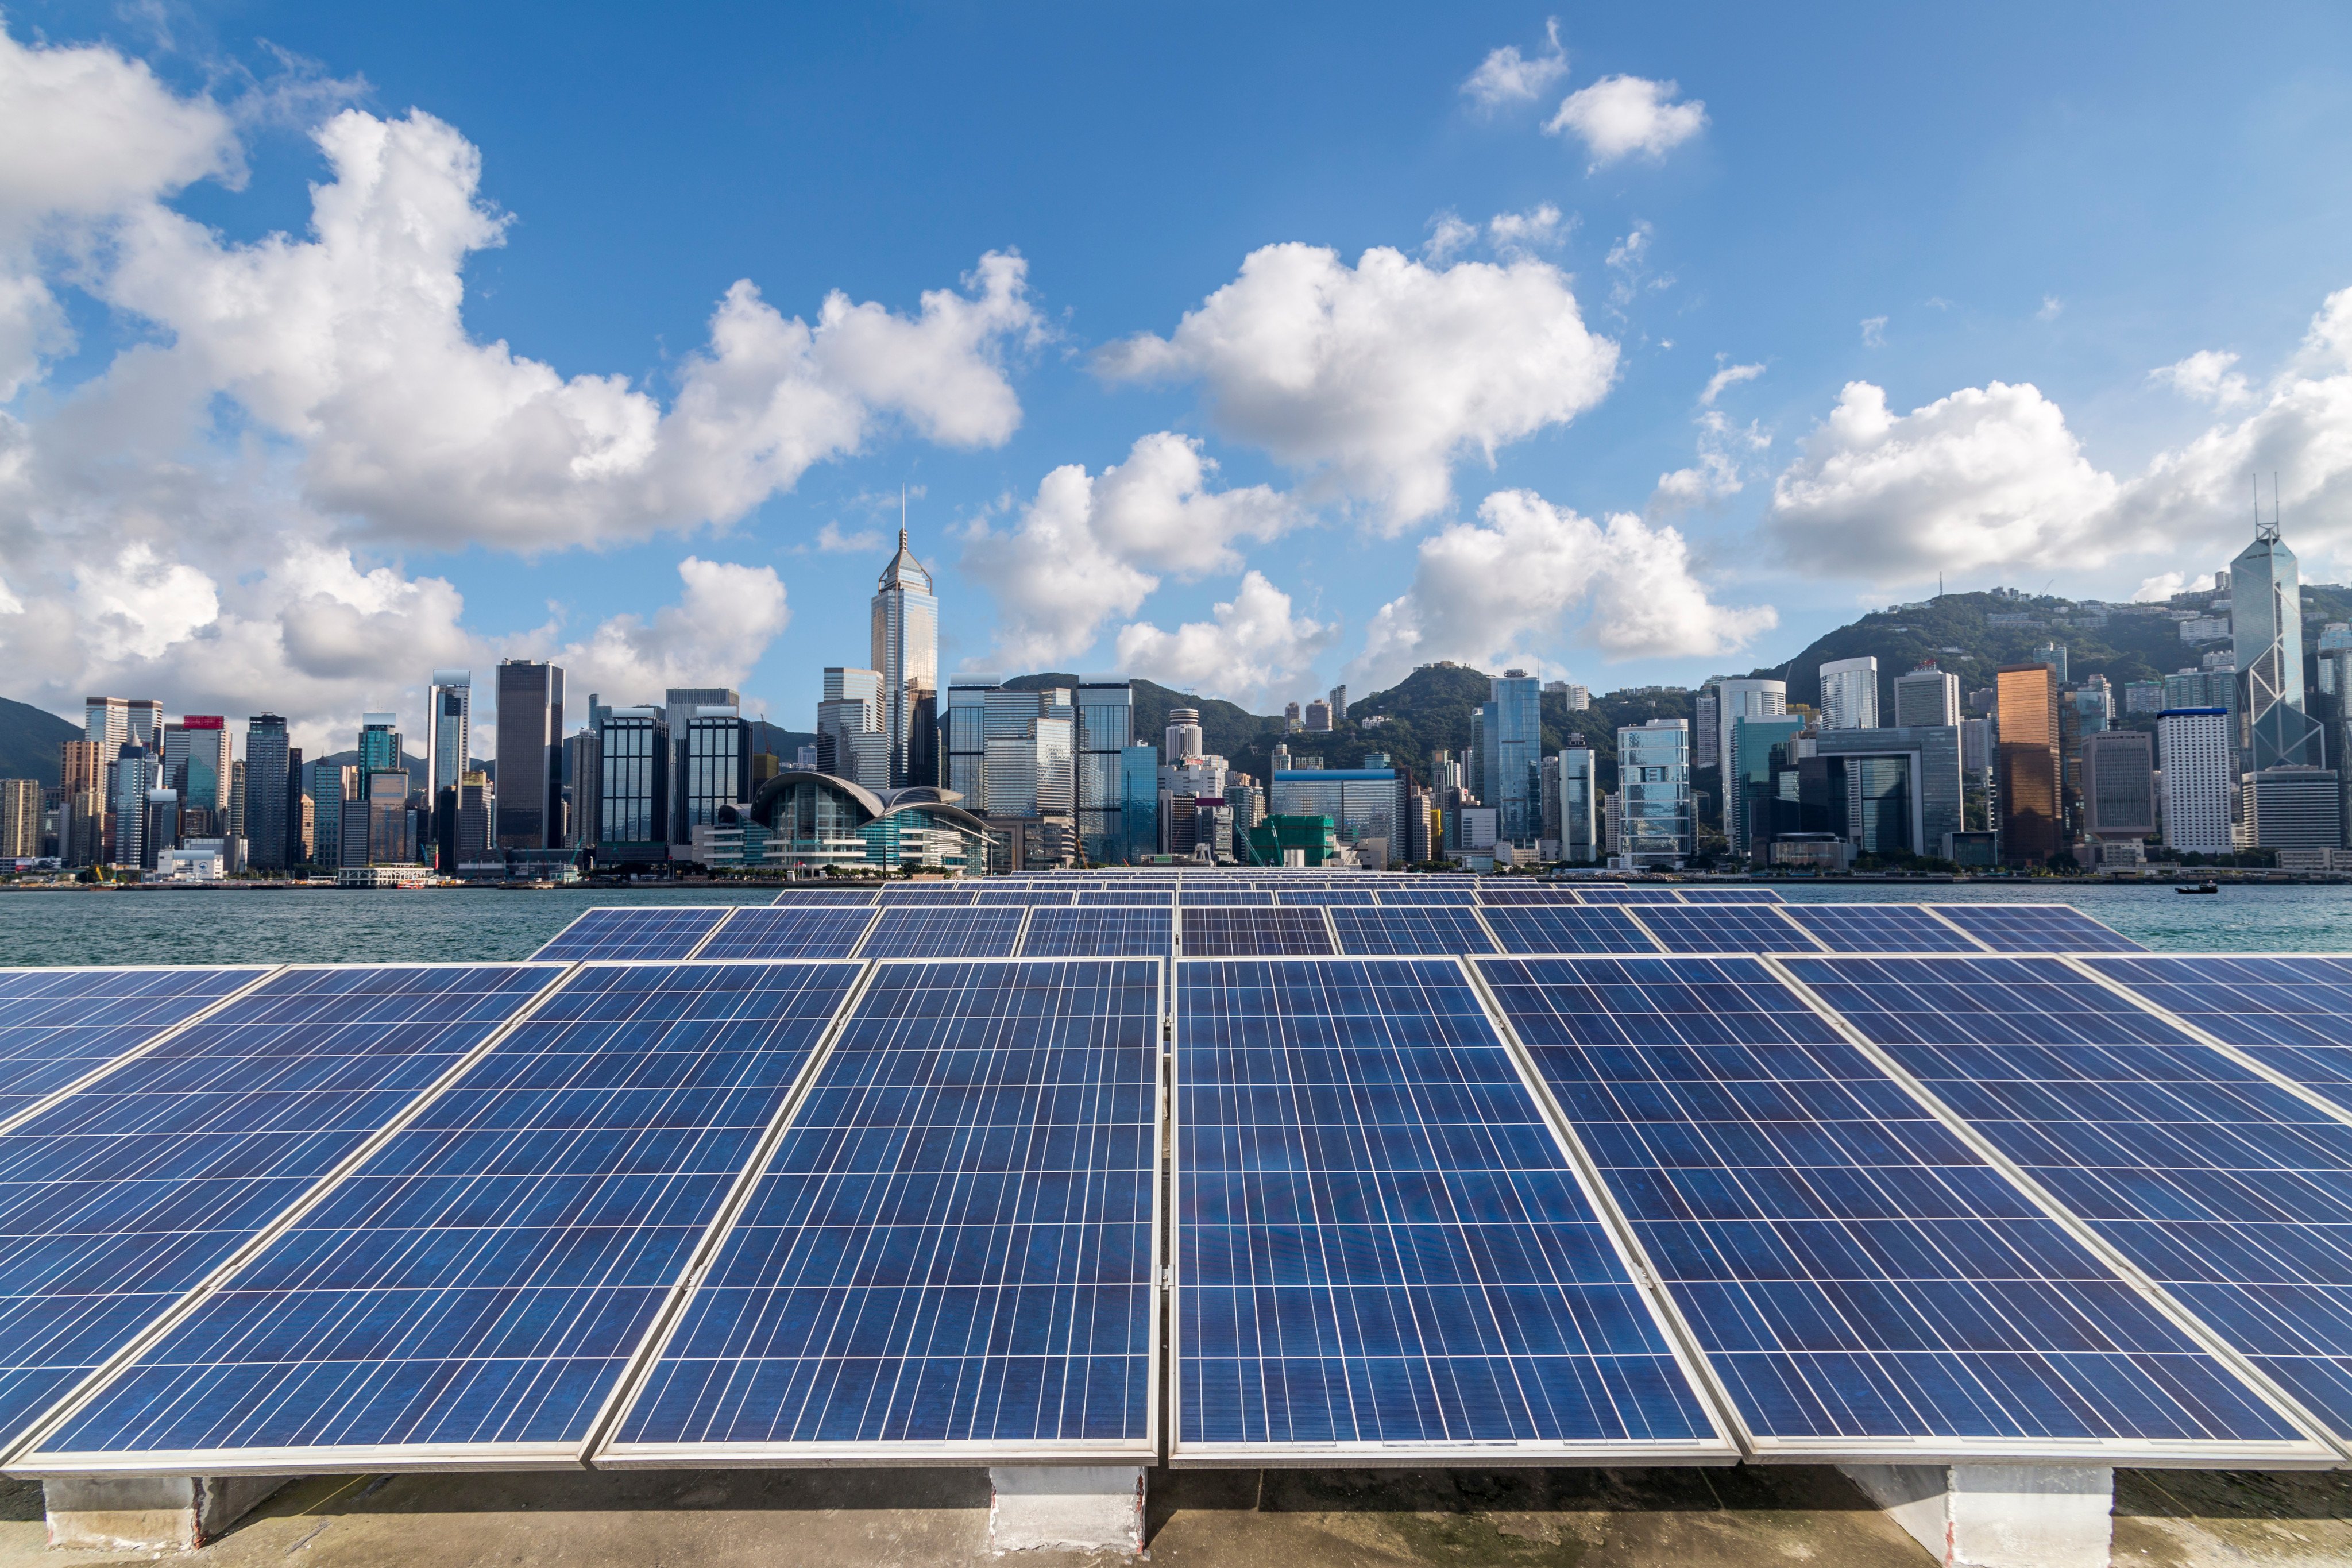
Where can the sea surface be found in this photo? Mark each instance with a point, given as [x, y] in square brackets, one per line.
[447, 925]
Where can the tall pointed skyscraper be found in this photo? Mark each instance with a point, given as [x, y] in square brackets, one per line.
[907, 654]
[2266, 629]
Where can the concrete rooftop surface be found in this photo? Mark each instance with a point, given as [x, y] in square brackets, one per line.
[1747, 1517]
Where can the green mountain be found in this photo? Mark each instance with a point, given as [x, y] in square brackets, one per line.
[29, 739]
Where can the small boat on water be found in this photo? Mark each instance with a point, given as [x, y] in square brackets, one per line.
[2197, 888]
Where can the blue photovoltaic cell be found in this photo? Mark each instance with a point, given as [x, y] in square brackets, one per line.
[1565, 929]
[1203, 897]
[906, 893]
[1132, 897]
[1732, 928]
[944, 933]
[1730, 896]
[59, 1025]
[2293, 1014]
[2035, 928]
[641, 932]
[1878, 928]
[767, 931]
[486, 1276]
[954, 1243]
[118, 1201]
[1250, 933]
[2231, 1193]
[1533, 895]
[827, 896]
[1426, 890]
[1329, 898]
[1380, 1240]
[1028, 898]
[1852, 1269]
[1100, 933]
[1400, 929]
[1627, 896]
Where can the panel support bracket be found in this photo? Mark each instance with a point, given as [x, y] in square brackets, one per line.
[1999, 1516]
[1065, 1508]
[150, 1513]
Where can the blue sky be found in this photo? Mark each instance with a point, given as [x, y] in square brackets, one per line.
[2037, 207]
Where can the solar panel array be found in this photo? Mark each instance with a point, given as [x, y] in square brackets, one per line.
[1460, 1172]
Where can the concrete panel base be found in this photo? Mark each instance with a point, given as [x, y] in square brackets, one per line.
[1999, 1516]
[1089, 1508]
[150, 1513]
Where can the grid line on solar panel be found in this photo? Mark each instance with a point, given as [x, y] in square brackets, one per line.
[61, 1029]
[827, 896]
[1567, 929]
[969, 932]
[1410, 928]
[1881, 928]
[2228, 1193]
[647, 932]
[1252, 932]
[1733, 928]
[475, 1288]
[2287, 1014]
[1628, 896]
[1730, 896]
[954, 1251]
[1383, 1250]
[2035, 928]
[1862, 1281]
[1107, 932]
[116, 1203]
[767, 931]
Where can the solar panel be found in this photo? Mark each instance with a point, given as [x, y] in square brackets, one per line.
[1878, 928]
[646, 933]
[944, 933]
[1425, 890]
[1214, 898]
[770, 932]
[865, 895]
[2233, 1193]
[474, 1292]
[2035, 928]
[1729, 928]
[1329, 898]
[1384, 1249]
[1027, 897]
[1529, 895]
[1730, 896]
[116, 1202]
[954, 1250]
[1401, 928]
[1100, 933]
[902, 893]
[1862, 1282]
[2293, 1014]
[1568, 929]
[1248, 933]
[1627, 896]
[58, 1025]
[1135, 898]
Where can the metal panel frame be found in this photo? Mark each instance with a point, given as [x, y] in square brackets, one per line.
[262, 974]
[1357, 1454]
[727, 911]
[606, 1452]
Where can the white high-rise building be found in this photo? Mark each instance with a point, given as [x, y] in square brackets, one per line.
[1850, 694]
[2195, 754]
[1927, 695]
[1183, 738]
[448, 730]
[906, 655]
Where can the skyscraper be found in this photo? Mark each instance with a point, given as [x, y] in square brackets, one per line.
[1741, 698]
[1106, 729]
[633, 812]
[448, 730]
[2195, 750]
[1927, 695]
[684, 704]
[2028, 768]
[1182, 737]
[531, 755]
[111, 721]
[1511, 741]
[264, 792]
[2119, 784]
[2266, 631]
[1850, 693]
[851, 742]
[906, 655]
[1655, 824]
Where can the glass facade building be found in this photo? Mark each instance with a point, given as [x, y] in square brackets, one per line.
[633, 808]
[718, 769]
[1655, 824]
[1510, 747]
[1106, 730]
[266, 775]
[1362, 803]
[905, 644]
[448, 730]
[2028, 772]
[531, 755]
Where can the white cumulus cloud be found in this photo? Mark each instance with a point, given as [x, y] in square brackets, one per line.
[1528, 574]
[725, 618]
[1619, 116]
[1507, 76]
[1252, 644]
[1088, 548]
[2205, 376]
[1372, 381]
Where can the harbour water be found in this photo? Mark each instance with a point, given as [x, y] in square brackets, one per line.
[454, 925]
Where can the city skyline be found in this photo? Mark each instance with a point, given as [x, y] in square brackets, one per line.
[1722, 449]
